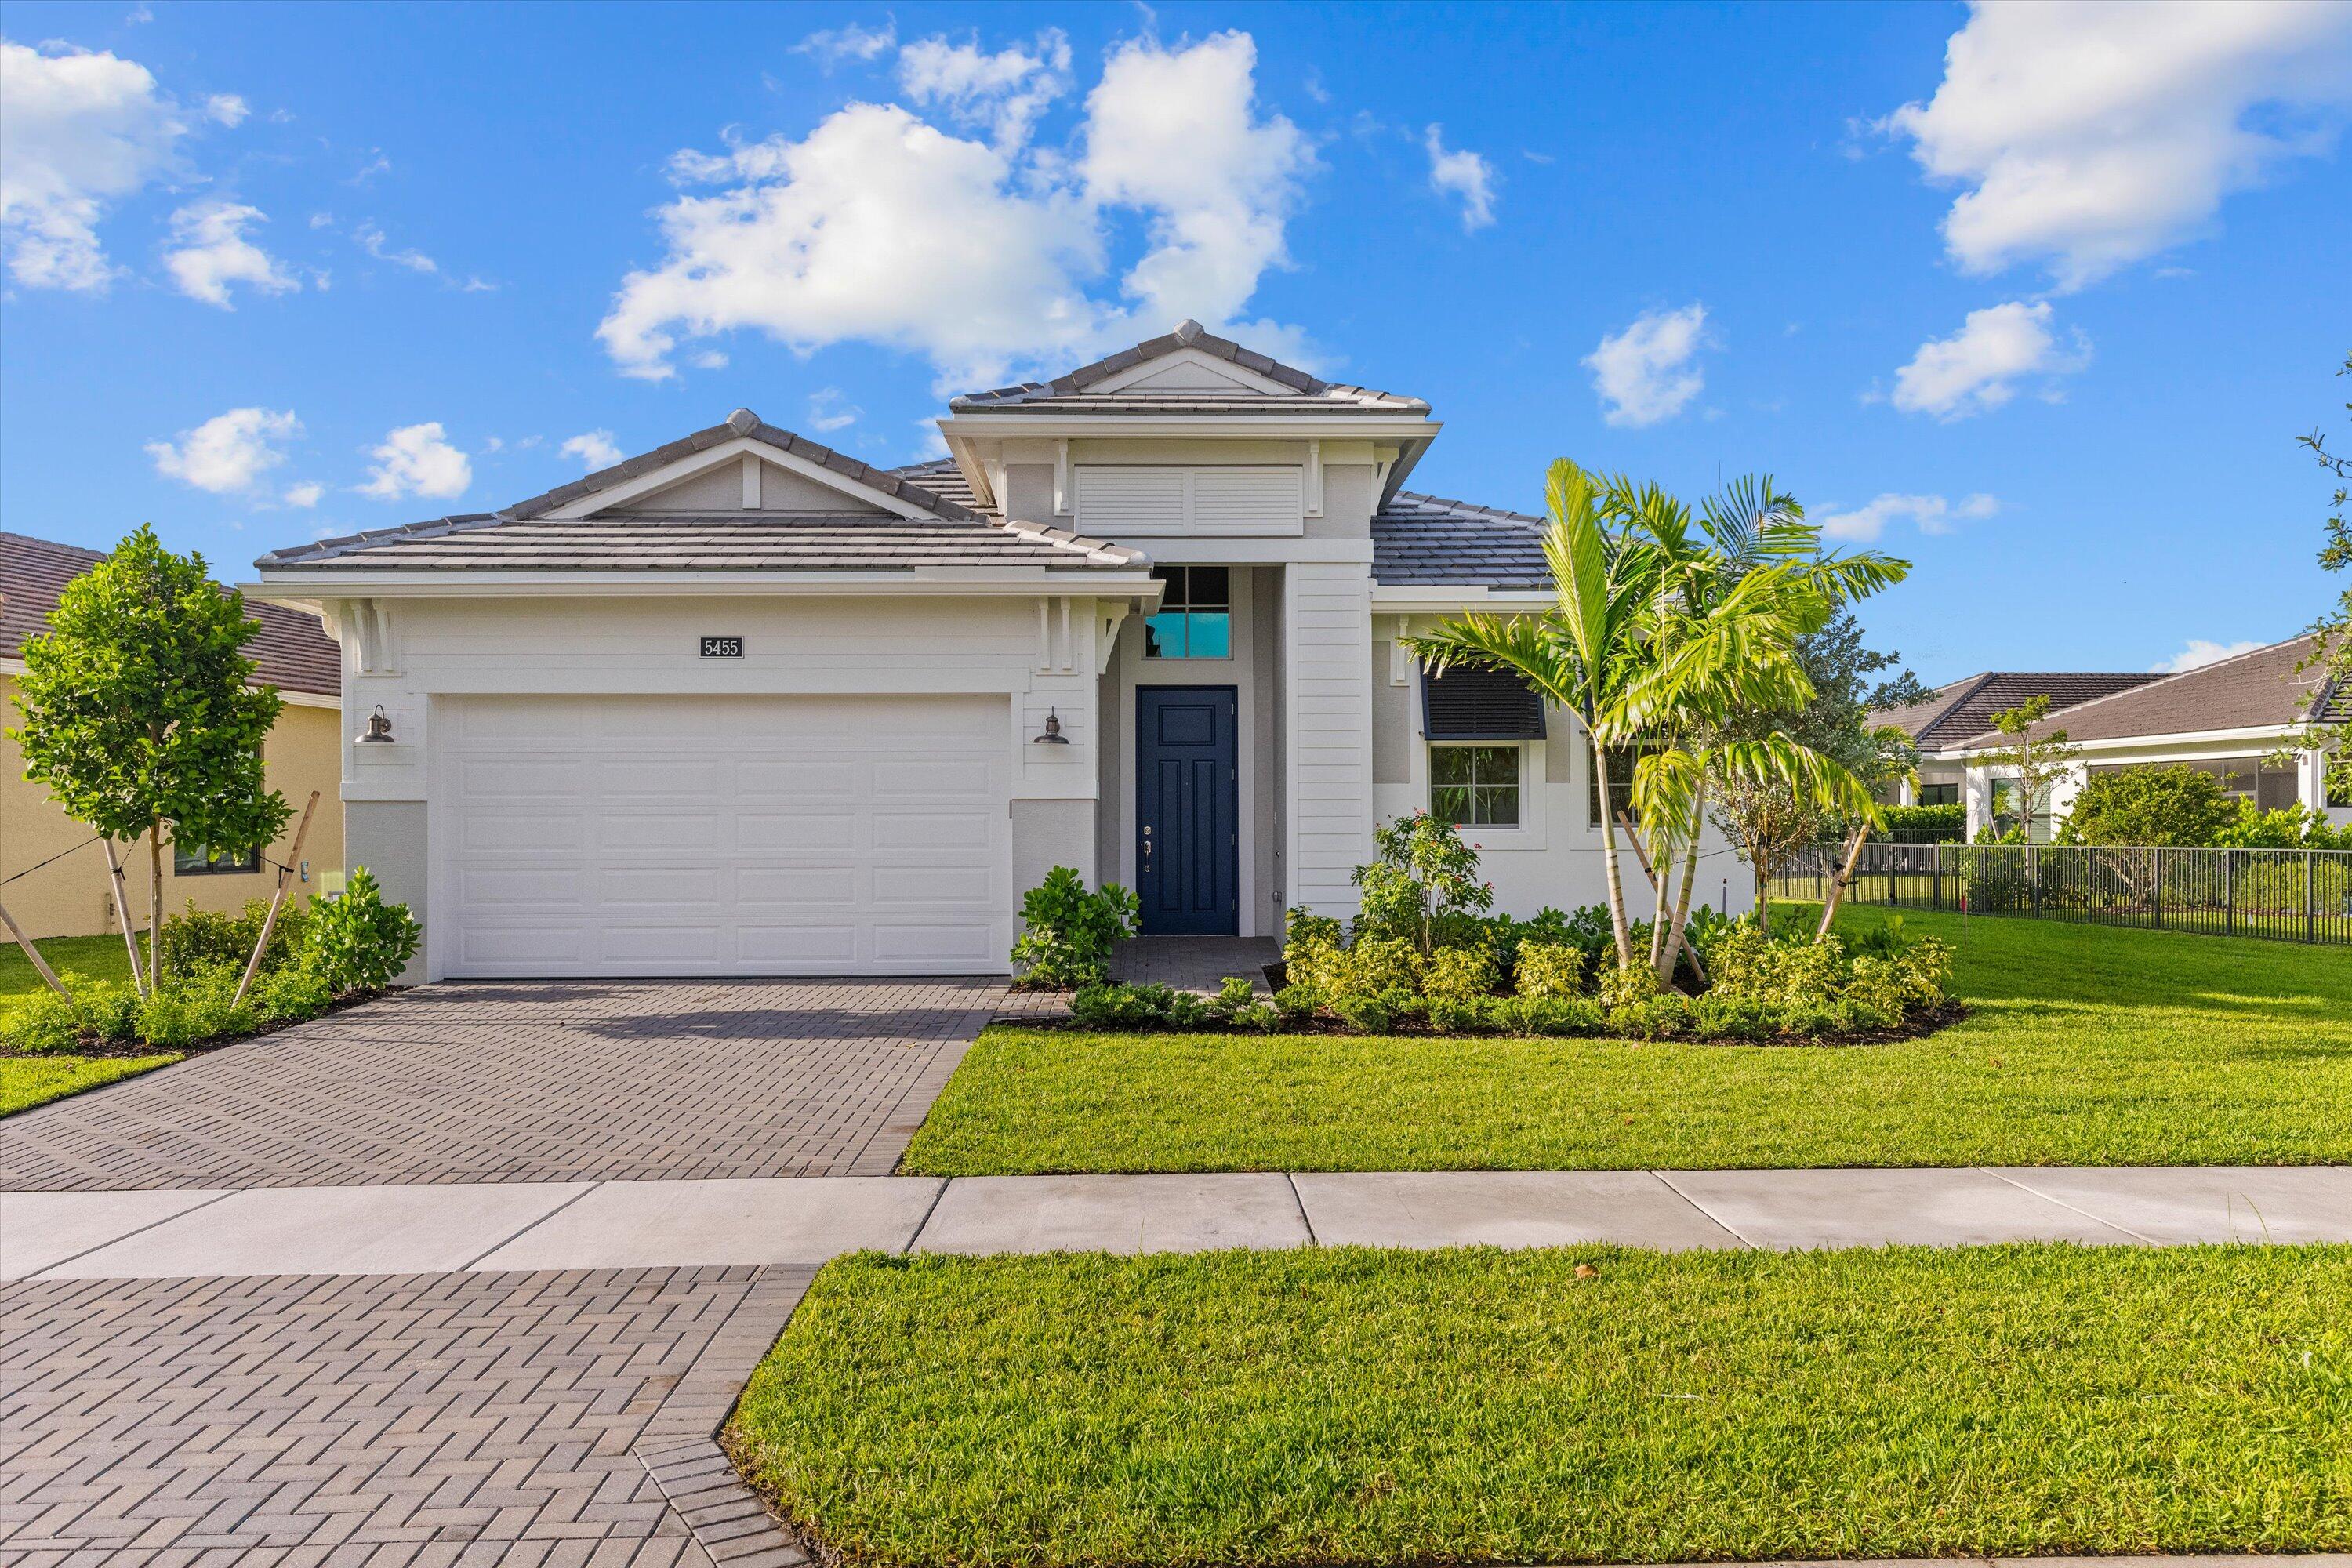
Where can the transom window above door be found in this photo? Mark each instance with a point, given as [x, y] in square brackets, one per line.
[1196, 615]
[1475, 786]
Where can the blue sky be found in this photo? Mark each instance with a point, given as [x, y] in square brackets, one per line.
[2043, 313]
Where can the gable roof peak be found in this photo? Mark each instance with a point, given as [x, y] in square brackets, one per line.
[743, 422]
[1188, 329]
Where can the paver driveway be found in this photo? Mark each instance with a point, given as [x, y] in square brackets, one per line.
[541, 1081]
[522, 1418]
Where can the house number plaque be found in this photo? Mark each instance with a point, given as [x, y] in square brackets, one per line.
[722, 648]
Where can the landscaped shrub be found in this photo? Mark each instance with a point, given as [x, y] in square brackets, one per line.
[2148, 806]
[1460, 974]
[1949, 819]
[1549, 969]
[1422, 872]
[1071, 931]
[355, 943]
[195, 937]
[2282, 828]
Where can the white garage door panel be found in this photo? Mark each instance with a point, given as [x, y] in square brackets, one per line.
[722, 835]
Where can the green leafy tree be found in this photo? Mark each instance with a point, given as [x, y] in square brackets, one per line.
[2035, 759]
[2153, 806]
[2333, 654]
[138, 715]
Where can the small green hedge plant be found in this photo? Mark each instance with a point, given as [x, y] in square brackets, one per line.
[355, 943]
[1071, 931]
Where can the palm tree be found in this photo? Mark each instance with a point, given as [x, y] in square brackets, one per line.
[1583, 653]
[1659, 636]
[1723, 631]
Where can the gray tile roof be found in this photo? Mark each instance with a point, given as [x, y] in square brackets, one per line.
[1964, 708]
[291, 650]
[1068, 393]
[524, 537]
[1427, 540]
[2252, 691]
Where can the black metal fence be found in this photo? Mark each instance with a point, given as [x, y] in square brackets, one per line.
[2287, 895]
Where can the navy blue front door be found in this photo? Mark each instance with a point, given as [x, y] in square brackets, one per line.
[1188, 838]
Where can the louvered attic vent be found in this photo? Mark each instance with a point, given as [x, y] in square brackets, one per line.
[1467, 704]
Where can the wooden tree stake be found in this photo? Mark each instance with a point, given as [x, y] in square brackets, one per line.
[277, 899]
[40, 963]
[1684, 948]
[122, 909]
[1837, 888]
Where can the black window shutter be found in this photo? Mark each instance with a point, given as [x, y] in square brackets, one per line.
[1468, 704]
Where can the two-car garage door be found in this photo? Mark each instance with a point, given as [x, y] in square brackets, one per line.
[625, 836]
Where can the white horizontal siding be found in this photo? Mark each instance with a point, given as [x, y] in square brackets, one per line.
[1328, 642]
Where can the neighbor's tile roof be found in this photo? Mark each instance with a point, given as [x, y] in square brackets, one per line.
[1069, 393]
[1964, 708]
[291, 648]
[2252, 690]
[524, 537]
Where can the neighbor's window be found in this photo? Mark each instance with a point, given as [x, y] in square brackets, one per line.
[1196, 614]
[1475, 786]
[2339, 791]
[2004, 804]
[1939, 794]
[196, 860]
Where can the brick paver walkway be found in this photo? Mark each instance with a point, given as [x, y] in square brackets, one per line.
[540, 1081]
[386, 1419]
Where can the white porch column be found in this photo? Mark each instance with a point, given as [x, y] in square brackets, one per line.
[1327, 624]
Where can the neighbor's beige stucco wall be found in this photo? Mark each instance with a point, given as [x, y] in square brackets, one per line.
[70, 897]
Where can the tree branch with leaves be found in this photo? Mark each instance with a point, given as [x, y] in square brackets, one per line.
[139, 717]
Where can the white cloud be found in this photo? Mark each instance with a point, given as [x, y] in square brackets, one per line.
[878, 226]
[229, 452]
[1175, 132]
[1463, 174]
[2091, 135]
[837, 46]
[594, 449]
[417, 461]
[1929, 514]
[371, 238]
[2199, 652]
[227, 108]
[1644, 374]
[829, 411]
[305, 494]
[1003, 92]
[1978, 367]
[210, 252]
[78, 130]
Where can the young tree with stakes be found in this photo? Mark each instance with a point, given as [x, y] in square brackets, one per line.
[137, 714]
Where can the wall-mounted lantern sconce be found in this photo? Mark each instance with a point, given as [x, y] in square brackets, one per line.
[1053, 735]
[379, 730]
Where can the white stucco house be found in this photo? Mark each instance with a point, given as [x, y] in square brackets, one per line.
[2244, 719]
[743, 705]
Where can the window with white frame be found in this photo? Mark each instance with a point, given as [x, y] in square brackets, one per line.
[1475, 786]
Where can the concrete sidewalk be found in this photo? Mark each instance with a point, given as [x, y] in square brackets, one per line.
[802, 1221]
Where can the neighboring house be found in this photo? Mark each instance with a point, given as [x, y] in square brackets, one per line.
[2233, 718]
[70, 897]
[1959, 712]
[745, 705]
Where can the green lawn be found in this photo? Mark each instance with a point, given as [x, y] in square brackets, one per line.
[27, 1081]
[2086, 1046]
[1380, 1407]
